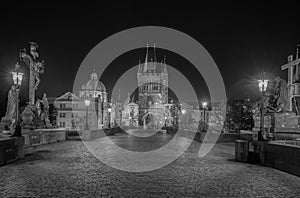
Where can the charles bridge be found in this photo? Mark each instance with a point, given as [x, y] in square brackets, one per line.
[68, 169]
[51, 161]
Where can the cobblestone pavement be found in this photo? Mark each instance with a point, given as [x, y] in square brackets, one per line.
[67, 169]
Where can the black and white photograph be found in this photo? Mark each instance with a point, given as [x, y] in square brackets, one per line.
[150, 99]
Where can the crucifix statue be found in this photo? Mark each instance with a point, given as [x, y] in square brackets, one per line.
[293, 77]
[36, 68]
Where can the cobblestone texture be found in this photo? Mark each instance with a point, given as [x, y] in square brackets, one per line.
[67, 169]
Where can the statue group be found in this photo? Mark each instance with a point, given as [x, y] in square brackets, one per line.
[277, 100]
[35, 111]
[37, 115]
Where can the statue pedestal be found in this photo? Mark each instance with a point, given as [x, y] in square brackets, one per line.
[5, 122]
[27, 117]
[280, 125]
[38, 124]
[279, 120]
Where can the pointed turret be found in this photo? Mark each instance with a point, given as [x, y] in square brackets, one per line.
[128, 98]
[154, 57]
[146, 60]
[150, 64]
[164, 66]
[140, 69]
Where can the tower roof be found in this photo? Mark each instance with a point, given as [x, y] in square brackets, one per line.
[151, 65]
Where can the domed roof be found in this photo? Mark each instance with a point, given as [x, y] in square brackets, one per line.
[94, 84]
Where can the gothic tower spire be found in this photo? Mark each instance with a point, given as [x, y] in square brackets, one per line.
[146, 59]
[154, 56]
[165, 66]
[140, 67]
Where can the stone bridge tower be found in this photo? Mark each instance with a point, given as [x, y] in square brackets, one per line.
[152, 84]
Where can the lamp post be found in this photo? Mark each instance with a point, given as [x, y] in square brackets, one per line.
[102, 110]
[87, 104]
[183, 118]
[109, 114]
[204, 105]
[262, 85]
[166, 121]
[120, 114]
[17, 76]
[130, 121]
[183, 111]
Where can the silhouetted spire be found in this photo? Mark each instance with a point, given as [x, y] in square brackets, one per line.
[165, 66]
[146, 59]
[140, 67]
[154, 56]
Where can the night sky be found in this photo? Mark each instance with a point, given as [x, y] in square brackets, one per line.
[244, 39]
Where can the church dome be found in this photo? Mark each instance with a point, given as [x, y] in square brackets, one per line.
[94, 84]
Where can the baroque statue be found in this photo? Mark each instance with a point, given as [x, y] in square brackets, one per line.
[33, 112]
[281, 95]
[10, 115]
[45, 109]
[36, 68]
[276, 101]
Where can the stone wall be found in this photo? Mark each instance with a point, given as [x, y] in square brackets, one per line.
[87, 135]
[38, 137]
[11, 149]
[282, 156]
[199, 136]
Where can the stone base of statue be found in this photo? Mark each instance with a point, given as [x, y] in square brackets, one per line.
[48, 124]
[279, 120]
[27, 117]
[6, 123]
[279, 125]
[38, 124]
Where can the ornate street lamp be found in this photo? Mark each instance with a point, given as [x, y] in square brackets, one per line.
[204, 105]
[262, 86]
[109, 114]
[166, 121]
[102, 110]
[183, 111]
[130, 121]
[17, 76]
[87, 103]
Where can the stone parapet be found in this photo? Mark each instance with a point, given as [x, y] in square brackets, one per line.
[280, 120]
[11, 149]
[284, 156]
[38, 137]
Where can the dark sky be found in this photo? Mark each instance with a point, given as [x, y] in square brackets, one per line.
[244, 39]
